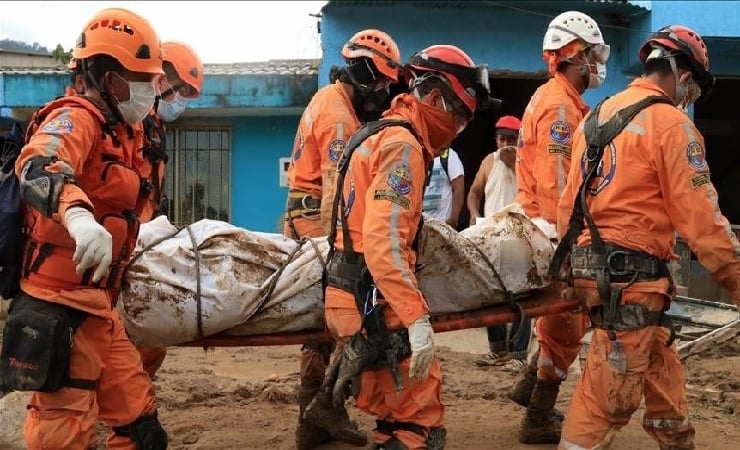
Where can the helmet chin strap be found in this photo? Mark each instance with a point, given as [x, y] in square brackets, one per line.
[104, 94]
[679, 87]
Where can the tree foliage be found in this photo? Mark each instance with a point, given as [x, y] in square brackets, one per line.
[12, 44]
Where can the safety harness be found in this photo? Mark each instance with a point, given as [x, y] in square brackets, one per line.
[607, 263]
[348, 271]
[155, 152]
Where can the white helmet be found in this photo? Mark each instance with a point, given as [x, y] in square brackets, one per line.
[569, 26]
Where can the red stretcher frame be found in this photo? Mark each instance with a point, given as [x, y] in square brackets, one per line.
[538, 303]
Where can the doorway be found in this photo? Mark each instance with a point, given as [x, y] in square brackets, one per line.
[718, 120]
[478, 138]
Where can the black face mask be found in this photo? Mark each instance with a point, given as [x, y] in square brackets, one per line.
[368, 104]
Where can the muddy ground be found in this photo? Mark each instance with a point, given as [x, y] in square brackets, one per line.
[244, 398]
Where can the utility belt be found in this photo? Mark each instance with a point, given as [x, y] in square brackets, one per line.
[344, 275]
[623, 265]
[382, 347]
[301, 204]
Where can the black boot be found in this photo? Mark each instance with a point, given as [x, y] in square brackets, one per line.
[321, 414]
[308, 436]
[541, 425]
[521, 393]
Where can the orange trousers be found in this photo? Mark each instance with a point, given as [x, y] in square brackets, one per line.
[559, 337]
[314, 357]
[420, 402]
[152, 358]
[65, 419]
[309, 226]
[604, 400]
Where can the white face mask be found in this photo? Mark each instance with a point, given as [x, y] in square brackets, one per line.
[170, 111]
[140, 100]
[686, 95]
[597, 79]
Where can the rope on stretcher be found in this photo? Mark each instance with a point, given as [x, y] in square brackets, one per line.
[507, 294]
[198, 301]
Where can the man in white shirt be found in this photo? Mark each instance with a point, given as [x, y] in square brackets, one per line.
[445, 195]
[495, 183]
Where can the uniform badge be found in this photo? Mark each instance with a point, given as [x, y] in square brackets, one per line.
[399, 178]
[560, 132]
[604, 171]
[60, 125]
[695, 156]
[336, 148]
[298, 144]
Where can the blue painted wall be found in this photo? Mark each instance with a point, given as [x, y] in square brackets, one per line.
[503, 38]
[258, 202]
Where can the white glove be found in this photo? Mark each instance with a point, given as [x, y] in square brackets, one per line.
[94, 243]
[422, 348]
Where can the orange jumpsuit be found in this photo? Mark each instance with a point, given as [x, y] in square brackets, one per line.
[543, 161]
[383, 189]
[654, 181]
[323, 131]
[107, 181]
[153, 152]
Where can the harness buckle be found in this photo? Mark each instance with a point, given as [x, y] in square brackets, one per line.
[371, 301]
[303, 202]
[610, 262]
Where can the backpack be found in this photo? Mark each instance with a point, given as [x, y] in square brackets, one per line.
[444, 159]
[11, 214]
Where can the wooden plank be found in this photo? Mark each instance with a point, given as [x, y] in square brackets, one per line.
[711, 339]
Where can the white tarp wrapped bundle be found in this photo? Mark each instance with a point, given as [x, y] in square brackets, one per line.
[261, 283]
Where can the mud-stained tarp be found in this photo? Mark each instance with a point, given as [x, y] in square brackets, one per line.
[261, 283]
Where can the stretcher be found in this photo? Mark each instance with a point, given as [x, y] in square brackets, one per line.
[538, 303]
[693, 318]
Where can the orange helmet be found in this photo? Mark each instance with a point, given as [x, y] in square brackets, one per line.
[468, 81]
[377, 46]
[123, 35]
[685, 41]
[186, 62]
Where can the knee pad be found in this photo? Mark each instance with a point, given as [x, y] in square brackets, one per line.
[391, 444]
[146, 432]
[436, 438]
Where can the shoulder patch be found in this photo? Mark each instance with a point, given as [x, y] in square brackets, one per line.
[695, 156]
[60, 125]
[336, 148]
[399, 178]
[700, 180]
[393, 197]
[298, 144]
[560, 132]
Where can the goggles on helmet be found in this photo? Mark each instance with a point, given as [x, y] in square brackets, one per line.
[474, 79]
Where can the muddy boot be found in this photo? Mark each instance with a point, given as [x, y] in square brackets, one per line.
[321, 414]
[541, 425]
[308, 436]
[521, 393]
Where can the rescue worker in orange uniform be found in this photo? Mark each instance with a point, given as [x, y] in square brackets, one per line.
[333, 115]
[80, 177]
[381, 210]
[576, 55]
[649, 182]
[182, 82]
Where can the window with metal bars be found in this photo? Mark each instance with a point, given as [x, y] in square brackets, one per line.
[198, 177]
